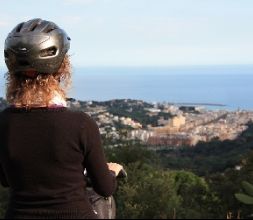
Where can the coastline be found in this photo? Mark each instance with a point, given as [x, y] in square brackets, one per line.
[214, 87]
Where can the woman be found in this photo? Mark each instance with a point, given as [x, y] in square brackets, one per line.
[45, 147]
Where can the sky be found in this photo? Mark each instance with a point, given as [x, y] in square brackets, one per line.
[143, 32]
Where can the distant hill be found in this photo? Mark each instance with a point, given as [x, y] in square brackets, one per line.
[210, 157]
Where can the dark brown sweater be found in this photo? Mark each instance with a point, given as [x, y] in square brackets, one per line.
[43, 154]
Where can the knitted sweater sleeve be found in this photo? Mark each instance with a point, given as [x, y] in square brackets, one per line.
[103, 180]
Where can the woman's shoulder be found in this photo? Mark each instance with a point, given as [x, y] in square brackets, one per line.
[64, 113]
[83, 117]
[79, 113]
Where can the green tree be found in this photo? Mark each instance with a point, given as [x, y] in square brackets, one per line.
[227, 184]
[247, 197]
[148, 193]
[153, 192]
[132, 152]
[198, 201]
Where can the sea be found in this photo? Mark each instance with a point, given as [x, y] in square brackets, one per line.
[229, 87]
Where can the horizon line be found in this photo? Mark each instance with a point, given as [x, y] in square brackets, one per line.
[158, 66]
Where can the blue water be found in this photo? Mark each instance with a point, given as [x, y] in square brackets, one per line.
[230, 86]
[227, 85]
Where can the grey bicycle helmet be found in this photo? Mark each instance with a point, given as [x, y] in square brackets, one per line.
[36, 45]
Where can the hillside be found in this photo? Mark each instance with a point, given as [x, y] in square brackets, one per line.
[210, 157]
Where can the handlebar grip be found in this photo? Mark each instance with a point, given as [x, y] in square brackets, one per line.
[122, 174]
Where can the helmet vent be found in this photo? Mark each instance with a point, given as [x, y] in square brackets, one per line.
[51, 51]
[6, 55]
[19, 27]
[49, 30]
[34, 27]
